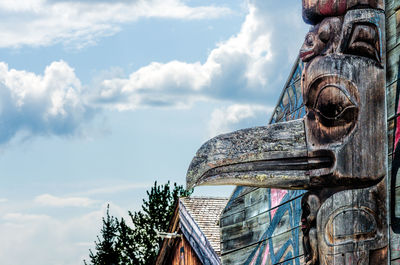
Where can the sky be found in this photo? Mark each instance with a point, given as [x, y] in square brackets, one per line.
[99, 99]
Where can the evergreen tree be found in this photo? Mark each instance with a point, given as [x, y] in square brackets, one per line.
[137, 243]
[106, 251]
[156, 213]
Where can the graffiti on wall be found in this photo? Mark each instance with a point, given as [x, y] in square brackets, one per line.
[285, 205]
[395, 174]
[285, 212]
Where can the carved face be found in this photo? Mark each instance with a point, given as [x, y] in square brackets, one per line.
[322, 39]
[343, 86]
[344, 93]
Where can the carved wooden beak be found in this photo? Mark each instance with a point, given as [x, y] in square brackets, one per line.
[274, 156]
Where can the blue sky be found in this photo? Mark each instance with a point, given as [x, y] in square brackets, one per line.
[99, 99]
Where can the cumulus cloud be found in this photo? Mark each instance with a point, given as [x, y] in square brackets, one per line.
[48, 104]
[54, 201]
[80, 23]
[248, 67]
[237, 116]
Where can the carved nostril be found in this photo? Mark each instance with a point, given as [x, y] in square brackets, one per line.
[309, 40]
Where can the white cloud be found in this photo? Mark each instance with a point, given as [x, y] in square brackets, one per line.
[50, 200]
[227, 119]
[83, 22]
[43, 239]
[52, 103]
[249, 67]
[22, 218]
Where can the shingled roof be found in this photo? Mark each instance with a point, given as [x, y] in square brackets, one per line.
[196, 220]
[206, 212]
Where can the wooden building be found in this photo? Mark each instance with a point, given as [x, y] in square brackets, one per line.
[196, 224]
[262, 226]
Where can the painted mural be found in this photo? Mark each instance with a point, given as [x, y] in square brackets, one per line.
[290, 105]
[281, 241]
[395, 174]
[284, 204]
[271, 251]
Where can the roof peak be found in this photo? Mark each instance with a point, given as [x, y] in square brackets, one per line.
[206, 197]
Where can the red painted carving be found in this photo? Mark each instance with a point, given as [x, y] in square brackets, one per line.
[397, 134]
[315, 10]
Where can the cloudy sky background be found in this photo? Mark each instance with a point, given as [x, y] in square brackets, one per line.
[98, 99]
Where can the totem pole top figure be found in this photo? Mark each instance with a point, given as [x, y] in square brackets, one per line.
[341, 142]
[316, 10]
[337, 151]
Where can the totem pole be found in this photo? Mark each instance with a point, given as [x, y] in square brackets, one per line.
[338, 151]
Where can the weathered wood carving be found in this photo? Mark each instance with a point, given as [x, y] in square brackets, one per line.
[337, 151]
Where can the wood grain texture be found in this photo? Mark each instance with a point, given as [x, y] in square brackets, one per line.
[391, 6]
[260, 252]
[344, 87]
[391, 92]
[353, 216]
[392, 25]
[256, 204]
[315, 10]
[394, 246]
[265, 214]
[347, 73]
[183, 254]
[392, 64]
[196, 238]
[251, 230]
[392, 30]
[269, 156]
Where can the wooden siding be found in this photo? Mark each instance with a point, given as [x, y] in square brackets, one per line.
[258, 229]
[192, 232]
[193, 246]
[183, 254]
[261, 226]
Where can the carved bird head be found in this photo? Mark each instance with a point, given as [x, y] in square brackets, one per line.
[341, 140]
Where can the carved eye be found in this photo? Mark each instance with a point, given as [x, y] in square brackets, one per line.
[364, 41]
[334, 106]
[325, 32]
